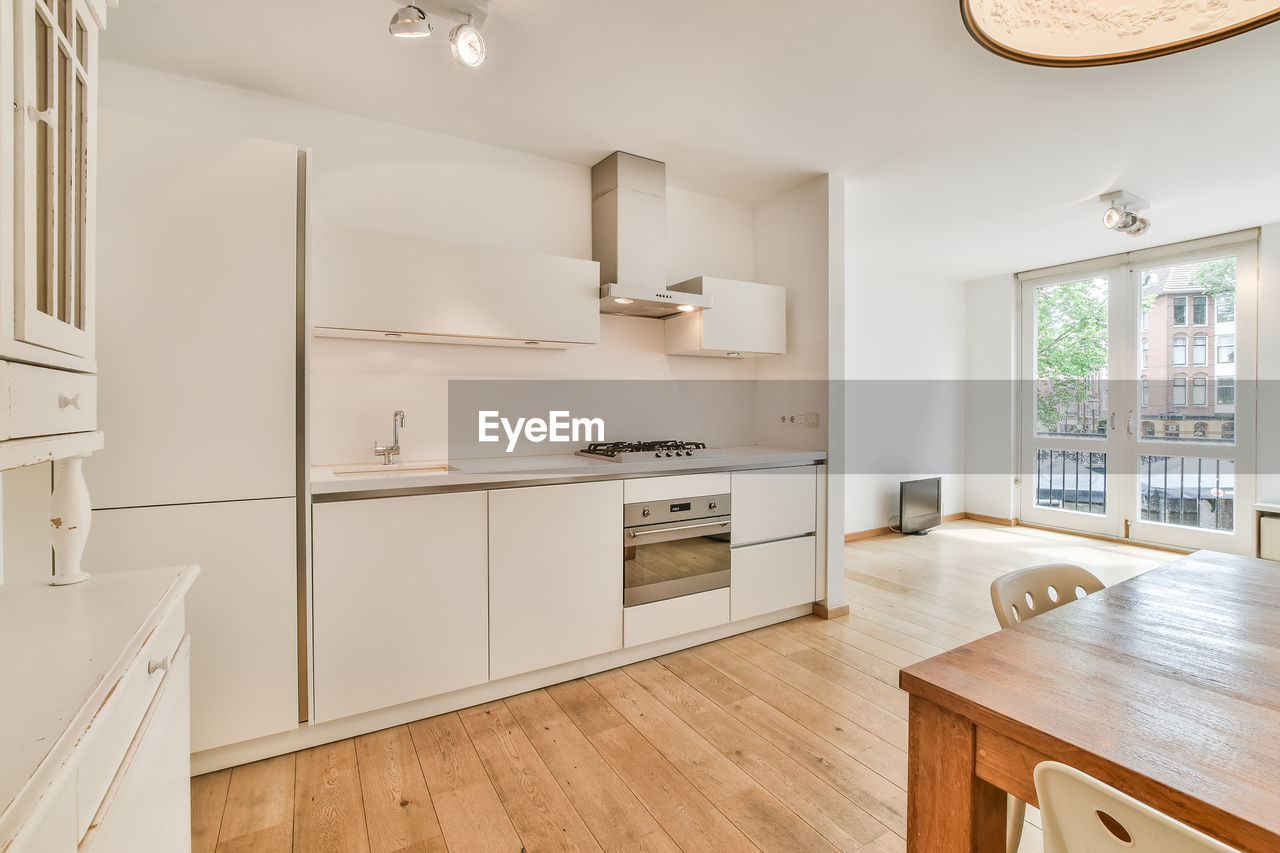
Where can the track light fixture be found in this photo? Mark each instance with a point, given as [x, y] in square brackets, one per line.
[465, 41]
[410, 22]
[1121, 215]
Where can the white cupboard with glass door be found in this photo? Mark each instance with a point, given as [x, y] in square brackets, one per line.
[53, 88]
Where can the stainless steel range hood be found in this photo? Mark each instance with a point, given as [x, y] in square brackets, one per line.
[629, 239]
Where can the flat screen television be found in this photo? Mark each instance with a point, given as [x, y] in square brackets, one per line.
[920, 505]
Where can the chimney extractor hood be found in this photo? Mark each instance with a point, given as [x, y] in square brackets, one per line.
[628, 238]
[632, 301]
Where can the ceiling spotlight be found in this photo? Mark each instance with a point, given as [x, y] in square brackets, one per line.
[467, 45]
[410, 22]
[1119, 220]
[1122, 214]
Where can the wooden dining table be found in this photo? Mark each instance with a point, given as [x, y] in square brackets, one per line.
[1166, 686]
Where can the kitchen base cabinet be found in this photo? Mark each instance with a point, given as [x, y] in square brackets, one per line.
[774, 503]
[555, 575]
[242, 613]
[400, 600]
[772, 576]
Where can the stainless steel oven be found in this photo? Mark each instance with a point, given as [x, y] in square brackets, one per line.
[672, 548]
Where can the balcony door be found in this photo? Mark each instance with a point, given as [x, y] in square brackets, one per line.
[1137, 405]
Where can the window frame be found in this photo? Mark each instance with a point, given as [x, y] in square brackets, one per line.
[1179, 382]
[1179, 343]
[1219, 346]
[1200, 350]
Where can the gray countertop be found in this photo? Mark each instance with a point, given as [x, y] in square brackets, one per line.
[338, 482]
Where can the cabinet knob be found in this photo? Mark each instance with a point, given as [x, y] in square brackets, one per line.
[645, 512]
[68, 402]
[711, 505]
[157, 665]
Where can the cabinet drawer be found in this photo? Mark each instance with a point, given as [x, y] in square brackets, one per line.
[678, 486]
[646, 623]
[775, 503]
[50, 402]
[772, 576]
[118, 720]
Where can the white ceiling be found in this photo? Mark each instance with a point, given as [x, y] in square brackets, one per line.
[990, 165]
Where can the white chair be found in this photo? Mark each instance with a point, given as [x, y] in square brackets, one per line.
[1018, 596]
[1082, 815]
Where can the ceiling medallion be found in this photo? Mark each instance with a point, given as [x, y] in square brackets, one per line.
[1068, 33]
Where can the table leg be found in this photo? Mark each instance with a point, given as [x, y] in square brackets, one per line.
[949, 809]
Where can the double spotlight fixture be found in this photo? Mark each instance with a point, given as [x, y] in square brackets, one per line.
[414, 22]
[1122, 213]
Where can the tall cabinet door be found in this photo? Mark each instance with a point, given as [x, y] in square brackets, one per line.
[241, 612]
[197, 316]
[555, 575]
[56, 46]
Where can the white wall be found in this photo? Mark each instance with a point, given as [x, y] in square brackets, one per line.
[904, 362]
[375, 175]
[990, 416]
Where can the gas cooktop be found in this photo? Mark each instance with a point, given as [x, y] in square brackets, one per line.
[640, 451]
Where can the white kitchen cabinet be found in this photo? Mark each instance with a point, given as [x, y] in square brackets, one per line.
[197, 317]
[555, 575]
[772, 576]
[774, 503]
[368, 283]
[241, 615]
[399, 600]
[746, 319]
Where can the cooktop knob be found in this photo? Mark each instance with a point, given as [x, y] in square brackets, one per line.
[668, 452]
[658, 454]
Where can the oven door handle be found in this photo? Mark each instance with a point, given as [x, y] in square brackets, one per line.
[637, 534]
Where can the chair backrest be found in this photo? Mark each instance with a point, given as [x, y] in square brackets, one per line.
[1082, 815]
[1020, 595]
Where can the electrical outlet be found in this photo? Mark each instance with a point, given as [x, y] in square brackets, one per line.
[800, 419]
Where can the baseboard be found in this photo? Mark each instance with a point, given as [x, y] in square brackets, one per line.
[824, 612]
[991, 519]
[1118, 540]
[881, 531]
[307, 736]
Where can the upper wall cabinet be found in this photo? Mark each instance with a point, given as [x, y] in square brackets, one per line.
[747, 319]
[369, 284]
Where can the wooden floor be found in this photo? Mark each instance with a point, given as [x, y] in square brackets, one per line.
[788, 738]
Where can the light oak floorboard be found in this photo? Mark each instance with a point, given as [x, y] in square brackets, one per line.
[542, 814]
[328, 815]
[258, 815]
[208, 799]
[789, 737]
[470, 811]
[617, 819]
[397, 805]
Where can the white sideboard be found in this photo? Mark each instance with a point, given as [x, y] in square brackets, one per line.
[95, 749]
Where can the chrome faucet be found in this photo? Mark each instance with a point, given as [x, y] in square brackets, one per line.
[387, 451]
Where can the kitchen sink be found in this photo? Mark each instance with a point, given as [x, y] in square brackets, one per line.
[393, 468]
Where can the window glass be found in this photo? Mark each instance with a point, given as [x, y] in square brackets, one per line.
[1200, 350]
[1226, 349]
[1226, 391]
[1180, 391]
[1180, 311]
[1180, 351]
[1199, 391]
[1200, 310]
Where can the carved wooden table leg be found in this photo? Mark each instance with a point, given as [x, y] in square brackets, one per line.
[69, 514]
[949, 809]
